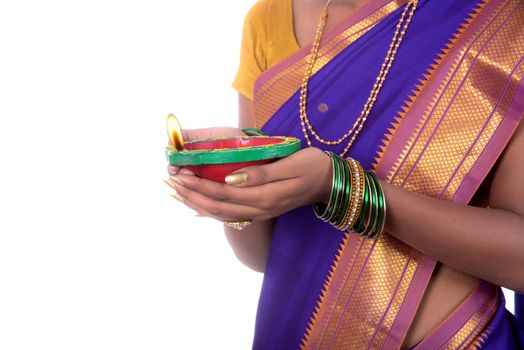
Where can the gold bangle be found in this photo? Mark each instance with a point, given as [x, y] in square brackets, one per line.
[356, 198]
[360, 193]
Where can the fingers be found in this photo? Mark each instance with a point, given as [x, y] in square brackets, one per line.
[200, 212]
[258, 192]
[206, 133]
[249, 196]
[262, 174]
[196, 134]
[211, 207]
[172, 170]
[226, 202]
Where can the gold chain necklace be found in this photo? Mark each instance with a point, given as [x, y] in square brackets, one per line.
[400, 31]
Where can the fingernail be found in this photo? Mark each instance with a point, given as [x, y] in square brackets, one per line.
[199, 216]
[236, 178]
[177, 180]
[168, 183]
[177, 197]
[186, 171]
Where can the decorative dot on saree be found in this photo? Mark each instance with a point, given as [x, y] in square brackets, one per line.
[323, 108]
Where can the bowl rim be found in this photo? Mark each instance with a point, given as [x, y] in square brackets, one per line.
[287, 146]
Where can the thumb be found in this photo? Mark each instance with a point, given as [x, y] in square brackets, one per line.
[197, 134]
[291, 167]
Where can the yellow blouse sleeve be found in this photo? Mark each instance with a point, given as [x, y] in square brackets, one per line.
[268, 37]
[252, 55]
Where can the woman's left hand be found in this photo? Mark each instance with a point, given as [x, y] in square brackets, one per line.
[259, 192]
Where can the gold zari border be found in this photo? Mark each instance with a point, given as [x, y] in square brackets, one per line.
[466, 112]
[473, 334]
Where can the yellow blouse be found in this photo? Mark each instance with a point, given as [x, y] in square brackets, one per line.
[268, 37]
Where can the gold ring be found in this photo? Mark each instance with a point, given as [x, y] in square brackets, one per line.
[238, 224]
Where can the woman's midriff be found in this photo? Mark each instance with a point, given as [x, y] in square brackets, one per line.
[445, 292]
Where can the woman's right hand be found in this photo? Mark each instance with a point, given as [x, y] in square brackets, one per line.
[202, 134]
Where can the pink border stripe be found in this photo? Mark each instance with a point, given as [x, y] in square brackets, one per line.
[488, 314]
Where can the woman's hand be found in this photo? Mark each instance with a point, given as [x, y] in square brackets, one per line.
[259, 192]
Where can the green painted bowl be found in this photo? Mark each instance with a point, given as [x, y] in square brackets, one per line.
[214, 159]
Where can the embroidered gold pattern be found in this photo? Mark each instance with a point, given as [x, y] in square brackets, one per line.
[426, 77]
[462, 117]
[471, 335]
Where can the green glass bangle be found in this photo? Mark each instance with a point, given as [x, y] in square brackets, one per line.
[384, 209]
[339, 204]
[377, 209]
[369, 221]
[372, 207]
[336, 191]
[348, 176]
[320, 208]
[340, 188]
[253, 132]
[374, 230]
[337, 188]
[380, 211]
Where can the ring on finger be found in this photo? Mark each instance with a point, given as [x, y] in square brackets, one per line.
[238, 224]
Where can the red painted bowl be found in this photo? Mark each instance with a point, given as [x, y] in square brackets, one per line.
[214, 159]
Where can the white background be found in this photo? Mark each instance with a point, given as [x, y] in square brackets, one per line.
[94, 254]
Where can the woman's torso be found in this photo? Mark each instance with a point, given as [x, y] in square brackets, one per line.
[448, 287]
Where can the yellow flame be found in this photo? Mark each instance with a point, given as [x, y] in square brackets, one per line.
[174, 131]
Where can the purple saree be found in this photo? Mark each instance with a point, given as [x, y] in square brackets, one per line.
[450, 103]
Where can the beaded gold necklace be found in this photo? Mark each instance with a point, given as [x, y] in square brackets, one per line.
[400, 31]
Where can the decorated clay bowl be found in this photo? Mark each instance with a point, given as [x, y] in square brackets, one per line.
[214, 159]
